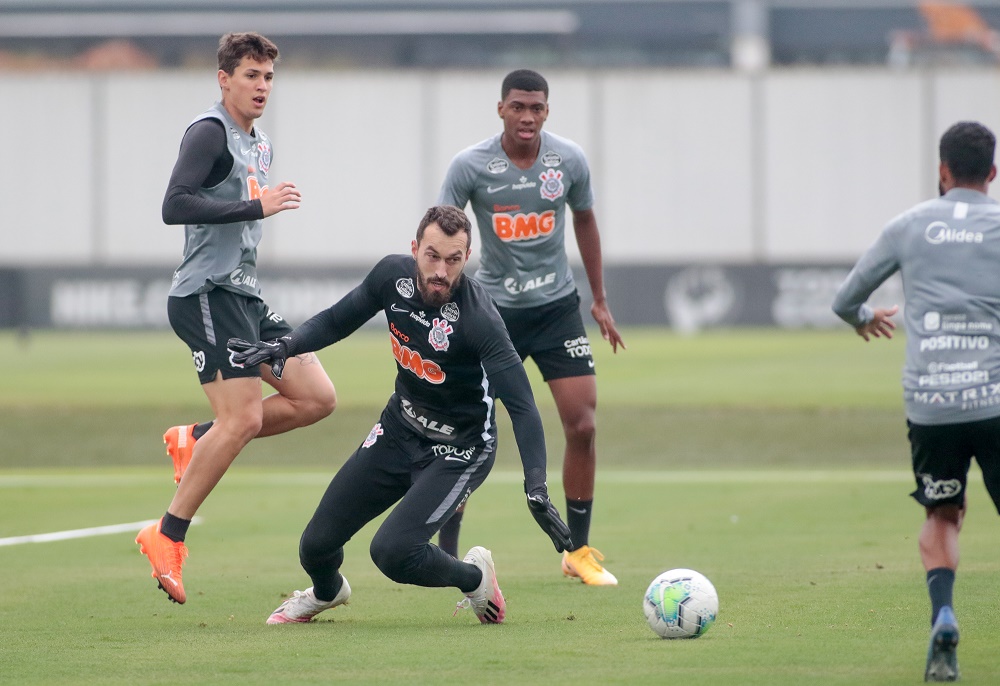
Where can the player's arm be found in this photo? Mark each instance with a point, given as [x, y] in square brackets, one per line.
[204, 161]
[876, 265]
[456, 189]
[323, 329]
[514, 390]
[588, 238]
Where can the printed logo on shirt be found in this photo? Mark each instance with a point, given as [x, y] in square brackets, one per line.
[552, 185]
[937, 233]
[932, 321]
[373, 435]
[523, 183]
[451, 452]
[424, 422]
[240, 278]
[523, 227]
[939, 490]
[438, 336]
[512, 286]
[551, 159]
[412, 360]
[199, 360]
[496, 189]
[264, 156]
[497, 166]
[405, 287]
[274, 316]
[450, 312]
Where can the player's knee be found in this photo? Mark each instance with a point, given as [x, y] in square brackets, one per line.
[581, 428]
[319, 550]
[392, 557]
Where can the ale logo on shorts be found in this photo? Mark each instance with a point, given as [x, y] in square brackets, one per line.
[438, 337]
[940, 490]
[450, 312]
[199, 360]
[373, 436]
[497, 166]
[551, 159]
[405, 287]
[552, 185]
[264, 156]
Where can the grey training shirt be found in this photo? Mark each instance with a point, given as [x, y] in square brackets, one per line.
[948, 252]
[521, 215]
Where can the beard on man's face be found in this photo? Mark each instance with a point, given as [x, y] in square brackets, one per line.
[435, 298]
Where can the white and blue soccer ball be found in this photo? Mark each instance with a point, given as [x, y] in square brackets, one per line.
[680, 603]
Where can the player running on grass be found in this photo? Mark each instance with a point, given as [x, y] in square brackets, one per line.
[948, 252]
[520, 183]
[435, 442]
[219, 191]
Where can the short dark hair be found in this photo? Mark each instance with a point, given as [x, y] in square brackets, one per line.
[233, 47]
[451, 219]
[523, 80]
[967, 150]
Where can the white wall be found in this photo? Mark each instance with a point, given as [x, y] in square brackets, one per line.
[689, 166]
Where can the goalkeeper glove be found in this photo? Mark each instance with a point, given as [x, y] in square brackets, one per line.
[545, 513]
[246, 354]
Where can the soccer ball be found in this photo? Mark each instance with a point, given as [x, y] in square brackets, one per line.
[680, 603]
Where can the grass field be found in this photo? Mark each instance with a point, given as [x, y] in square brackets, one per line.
[773, 462]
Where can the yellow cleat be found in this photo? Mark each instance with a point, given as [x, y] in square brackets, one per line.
[584, 563]
[180, 442]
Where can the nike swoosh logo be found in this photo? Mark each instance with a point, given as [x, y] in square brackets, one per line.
[577, 510]
[397, 309]
[247, 151]
[491, 189]
[590, 363]
[455, 459]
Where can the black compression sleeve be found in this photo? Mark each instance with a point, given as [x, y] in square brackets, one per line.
[514, 390]
[334, 323]
[204, 161]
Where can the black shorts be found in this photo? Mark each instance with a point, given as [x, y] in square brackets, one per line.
[207, 321]
[942, 455]
[553, 336]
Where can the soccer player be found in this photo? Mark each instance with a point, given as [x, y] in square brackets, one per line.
[519, 183]
[947, 251]
[219, 190]
[435, 441]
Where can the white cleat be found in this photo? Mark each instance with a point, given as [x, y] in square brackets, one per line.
[486, 601]
[303, 605]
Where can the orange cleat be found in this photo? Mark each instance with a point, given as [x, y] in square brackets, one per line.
[166, 557]
[180, 442]
[584, 563]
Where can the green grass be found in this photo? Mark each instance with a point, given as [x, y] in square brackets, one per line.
[773, 462]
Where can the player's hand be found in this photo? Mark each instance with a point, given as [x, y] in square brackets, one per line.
[881, 326]
[547, 516]
[284, 196]
[246, 354]
[602, 315]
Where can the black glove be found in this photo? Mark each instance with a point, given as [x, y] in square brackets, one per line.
[246, 354]
[546, 514]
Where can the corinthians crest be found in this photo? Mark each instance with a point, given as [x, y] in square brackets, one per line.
[552, 185]
[438, 337]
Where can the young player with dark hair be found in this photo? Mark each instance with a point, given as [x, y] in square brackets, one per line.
[520, 183]
[219, 190]
[947, 251]
[435, 441]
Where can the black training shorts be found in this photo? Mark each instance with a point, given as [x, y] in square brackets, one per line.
[942, 455]
[207, 321]
[553, 336]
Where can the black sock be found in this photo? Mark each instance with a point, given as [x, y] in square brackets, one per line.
[328, 591]
[940, 582]
[200, 430]
[473, 576]
[448, 536]
[578, 519]
[174, 528]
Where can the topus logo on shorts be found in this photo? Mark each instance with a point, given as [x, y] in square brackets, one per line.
[405, 287]
[199, 360]
[373, 436]
[940, 490]
[578, 347]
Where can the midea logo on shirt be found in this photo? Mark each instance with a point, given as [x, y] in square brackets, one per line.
[937, 233]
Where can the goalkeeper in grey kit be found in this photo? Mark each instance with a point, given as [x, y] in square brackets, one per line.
[947, 251]
[435, 441]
